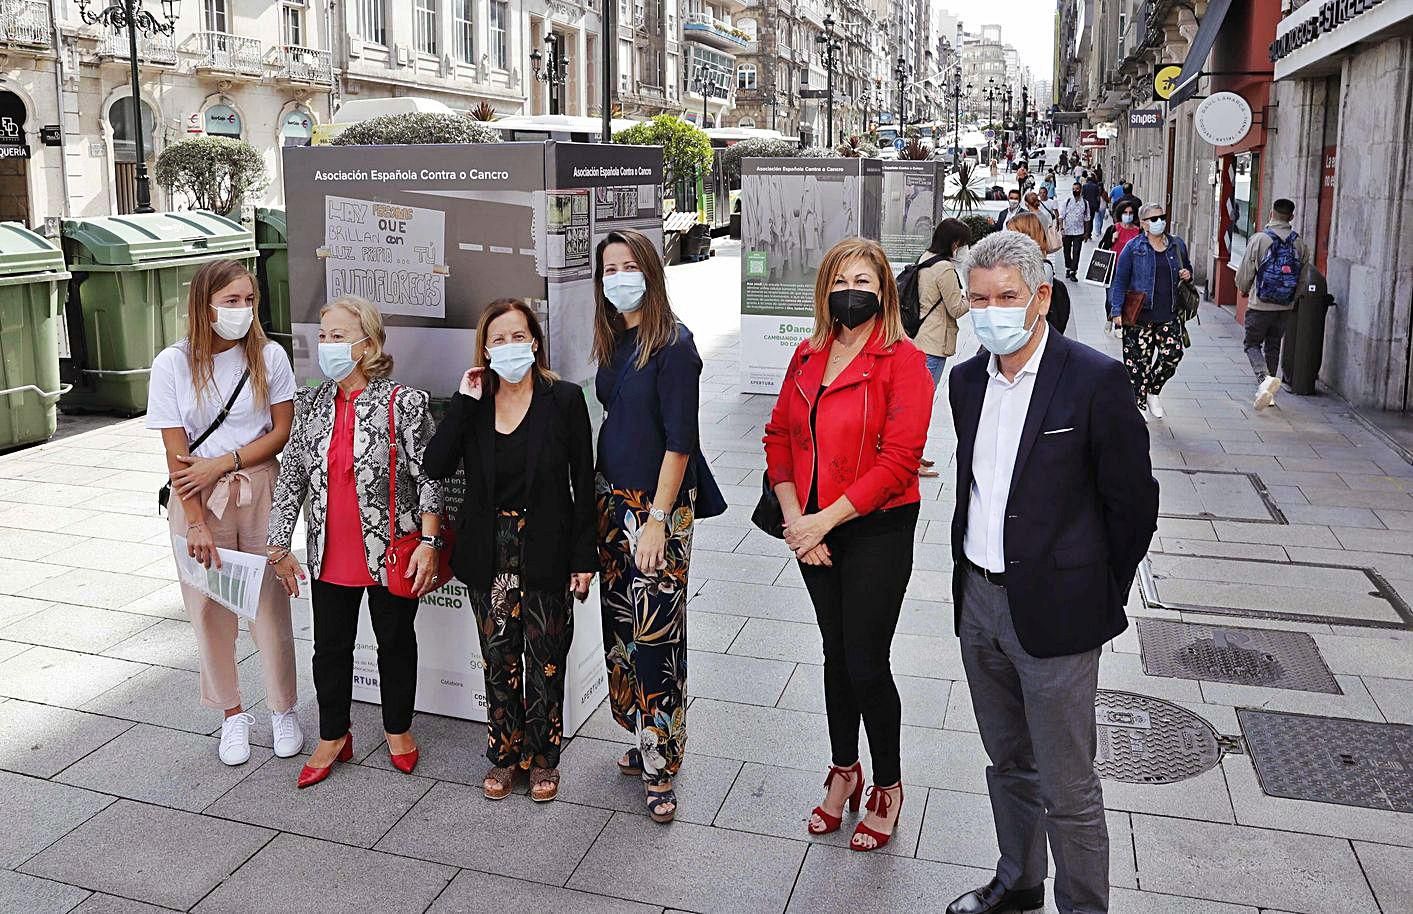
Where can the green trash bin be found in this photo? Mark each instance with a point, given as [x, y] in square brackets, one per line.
[127, 298]
[32, 281]
[272, 241]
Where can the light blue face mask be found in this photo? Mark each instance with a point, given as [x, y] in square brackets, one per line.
[512, 360]
[336, 359]
[1002, 330]
[1126, 218]
[625, 290]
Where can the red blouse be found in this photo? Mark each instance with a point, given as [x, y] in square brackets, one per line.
[345, 563]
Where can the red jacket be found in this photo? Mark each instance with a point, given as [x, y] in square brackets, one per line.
[870, 428]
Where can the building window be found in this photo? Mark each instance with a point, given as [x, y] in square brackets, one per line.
[464, 30]
[425, 27]
[746, 122]
[746, 76]
[500, 34]
[215, 15]
[292, 22]
[372, 21]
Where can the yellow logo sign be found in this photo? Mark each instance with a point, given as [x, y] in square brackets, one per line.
[1165, 80]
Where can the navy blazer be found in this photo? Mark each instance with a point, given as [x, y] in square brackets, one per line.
[1083, 504]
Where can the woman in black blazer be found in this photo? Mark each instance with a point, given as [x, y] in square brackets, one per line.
[525, 537]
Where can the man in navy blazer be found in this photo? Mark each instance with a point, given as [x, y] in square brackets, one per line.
[1056, 506]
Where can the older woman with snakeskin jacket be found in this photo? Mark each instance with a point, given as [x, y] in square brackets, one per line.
[336, 463]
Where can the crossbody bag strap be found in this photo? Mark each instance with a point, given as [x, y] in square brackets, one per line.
[221, 416]
[392, 465]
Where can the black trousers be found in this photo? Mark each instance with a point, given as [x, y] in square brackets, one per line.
[336, 627]
[1264, 332]
[1073, 244]
[857, 601]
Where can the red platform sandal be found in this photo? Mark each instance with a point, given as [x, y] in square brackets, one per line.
[831, 823]
[878, 802]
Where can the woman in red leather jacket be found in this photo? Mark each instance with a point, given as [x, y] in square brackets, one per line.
[842, 449]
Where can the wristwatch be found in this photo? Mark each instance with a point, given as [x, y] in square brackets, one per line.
[436, 542]
[658, 514]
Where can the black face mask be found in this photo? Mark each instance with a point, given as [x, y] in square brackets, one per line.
[852, 307]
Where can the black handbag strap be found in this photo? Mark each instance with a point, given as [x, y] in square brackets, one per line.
[221, 416]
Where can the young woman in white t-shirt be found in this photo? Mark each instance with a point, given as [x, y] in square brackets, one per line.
[221, 493]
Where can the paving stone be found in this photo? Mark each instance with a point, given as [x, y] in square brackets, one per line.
[1396, 541]
[942, 758]
[112, 904]
[474, 893]
[960, 713]
[751, 680]
[158, 765]
[1250, 865]
[1220, 549]
[709, 631]
[755, 601]
[1395, 520]
[76, 628]
[54, 677]
[797, 642]
[354, 879]
[757, 542]
[17, 576]
[717, 537]
[1276, 534]
[37, 812]
[1253, 807]
[42, 740]
[43, 518]
[164, 602]
[839, 881]
[13, 609]
[927, 617]
[168, 857]
[542, 842]
[10, 649]
[689, 865]
[732, 566]
[366, 724]
[1388, 870]
[86, 587]
[1370, 653]
[118, 526]
[589, 776]
[163, 697]
[924, 700]
[1356, 702]
[451, 749]
[30, 545]
[1201, 797]
[111, 555]
[171, 643]
[1394, 698]
[31, 895]
[1124, 673]
[778, 801]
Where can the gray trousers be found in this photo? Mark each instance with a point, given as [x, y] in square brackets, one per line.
[1264, 332]
[1036, 717]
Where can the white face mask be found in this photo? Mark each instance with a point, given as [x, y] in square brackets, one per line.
[232, 323]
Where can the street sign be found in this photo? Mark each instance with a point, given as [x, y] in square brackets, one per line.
[899, 143]
[1165, 77]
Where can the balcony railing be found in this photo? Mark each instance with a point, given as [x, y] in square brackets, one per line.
[699, 23]
[159, 49]
[25, 23]
[226, 53]
[305, 65]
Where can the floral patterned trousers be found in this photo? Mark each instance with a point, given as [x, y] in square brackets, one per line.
[525, 637]
[645, 628]
[1151, 354]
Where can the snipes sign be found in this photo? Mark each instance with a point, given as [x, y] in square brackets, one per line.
[1139, 118]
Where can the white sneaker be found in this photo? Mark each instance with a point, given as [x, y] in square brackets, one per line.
[1266, 391]
[235, 739]
[289, 736]
[1155, 407]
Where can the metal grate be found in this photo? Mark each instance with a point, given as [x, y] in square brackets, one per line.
[1145, 740]
[1331, 759]
[1216, 495]
[1246, 656]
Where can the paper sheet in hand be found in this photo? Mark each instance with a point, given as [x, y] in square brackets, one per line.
[235, 585]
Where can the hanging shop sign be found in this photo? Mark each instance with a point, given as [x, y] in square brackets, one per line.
[1165, 79]
[1223, 119]
[51, 135]
[1090, 139]
[1145, 117]
[1317, 31]
[194, 123]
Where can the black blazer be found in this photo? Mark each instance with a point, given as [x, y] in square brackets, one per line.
[561, 520]
[1083, 504]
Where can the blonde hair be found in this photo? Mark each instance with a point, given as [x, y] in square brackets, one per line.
[870, 252]
[375, 362]
[201, 339]
[1029, 225]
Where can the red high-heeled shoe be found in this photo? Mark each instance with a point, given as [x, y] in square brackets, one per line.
[831, 823]
[878, 802]
[309, 775]
[405, 761]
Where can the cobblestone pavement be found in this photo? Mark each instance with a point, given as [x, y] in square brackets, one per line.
[114, 800]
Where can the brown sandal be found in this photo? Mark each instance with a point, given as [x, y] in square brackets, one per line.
[504, 779]
[538, 776]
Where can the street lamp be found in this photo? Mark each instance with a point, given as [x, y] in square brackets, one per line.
[555, 72]
[957, 113]
[129, 14]
[1025, 120]
[900, 70]
[705, 82]
[830, 44]
[992, 93]
[1006, 123]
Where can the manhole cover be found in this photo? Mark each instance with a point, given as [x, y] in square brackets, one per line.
[1245, 656]
[1145, 740]
[1331, 759]
[1216, 495]
[1292, 591]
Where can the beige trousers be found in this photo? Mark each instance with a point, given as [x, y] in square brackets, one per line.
[242, 526]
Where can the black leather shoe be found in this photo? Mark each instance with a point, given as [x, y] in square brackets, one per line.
[993, 898]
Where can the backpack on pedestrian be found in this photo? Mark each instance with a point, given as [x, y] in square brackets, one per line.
[909, 299]
[1278, 277]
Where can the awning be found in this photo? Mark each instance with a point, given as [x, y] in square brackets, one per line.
[1201, 48]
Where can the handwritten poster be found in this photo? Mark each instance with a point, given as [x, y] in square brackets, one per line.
[391, 254]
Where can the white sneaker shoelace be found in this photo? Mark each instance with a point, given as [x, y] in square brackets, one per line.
[235, 739]
[288, 735]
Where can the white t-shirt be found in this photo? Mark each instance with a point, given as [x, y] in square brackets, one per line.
[172, 401]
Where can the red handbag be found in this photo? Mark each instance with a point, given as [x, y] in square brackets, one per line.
[400, 548]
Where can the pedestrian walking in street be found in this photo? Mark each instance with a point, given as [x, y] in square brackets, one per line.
[1270, 274]
[940, 303]
[1047, 199]
[1013, 206]
[1056, 505]
[1024, 181]
[223, 399]
[1058, 316]
[1129, 197]
[354, 467]
[526, 538]
[1048, 185]
[1124, 229]
[995, 171]
[1094, 196]
[1150, 269]
[1116, 192]
[1064, 161]
[652, 483]
[842, 449]
[1034, 207]
[1075, 217]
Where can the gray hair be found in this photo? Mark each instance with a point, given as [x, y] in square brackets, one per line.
[1008, 249]
[1149, 209]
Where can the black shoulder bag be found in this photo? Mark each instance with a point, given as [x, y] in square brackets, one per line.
[164, 494]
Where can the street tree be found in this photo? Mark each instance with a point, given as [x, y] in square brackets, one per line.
[417, 128]
[214, 173]
[685, 148]
[759, 148]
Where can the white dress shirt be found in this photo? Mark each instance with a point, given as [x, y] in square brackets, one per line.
[993, 457]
